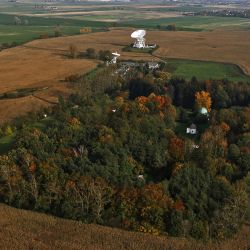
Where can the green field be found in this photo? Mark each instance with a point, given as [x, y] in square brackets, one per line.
[6, 19]
[206, 70]
[193, 22]
[37, 26]
[22, 34]
[70, 25]
[185, 23]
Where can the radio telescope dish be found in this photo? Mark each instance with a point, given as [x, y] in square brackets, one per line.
[115, 54]
[138, 34]
[114, 59]
[140, 40]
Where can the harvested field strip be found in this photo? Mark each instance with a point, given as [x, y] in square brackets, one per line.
[22, 229]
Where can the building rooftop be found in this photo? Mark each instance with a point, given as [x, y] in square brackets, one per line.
[193, 126]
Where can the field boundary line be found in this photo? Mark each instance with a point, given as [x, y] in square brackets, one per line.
[43, 99]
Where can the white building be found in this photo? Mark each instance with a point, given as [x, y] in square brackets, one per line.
[192, 129]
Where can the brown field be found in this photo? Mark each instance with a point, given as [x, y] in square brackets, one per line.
[42, 63]
[219, 45]
[24, 67]
[22, 229]
[12, 108]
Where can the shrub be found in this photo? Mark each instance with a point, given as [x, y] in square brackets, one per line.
[199, 230]
[171, 27]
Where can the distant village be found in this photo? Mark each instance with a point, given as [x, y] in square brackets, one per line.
[225, 13]
[45, 7]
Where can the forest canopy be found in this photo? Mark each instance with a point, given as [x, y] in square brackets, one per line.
[117, 153]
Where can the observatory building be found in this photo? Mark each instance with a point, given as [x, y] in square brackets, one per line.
[139, 43]
[203, 111]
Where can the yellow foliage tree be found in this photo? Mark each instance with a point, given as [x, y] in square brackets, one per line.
[74, 123]
[163, 75]
[8, 131]
[203, 99]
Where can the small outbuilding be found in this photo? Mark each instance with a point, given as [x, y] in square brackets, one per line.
[153, 65]
[192, 129]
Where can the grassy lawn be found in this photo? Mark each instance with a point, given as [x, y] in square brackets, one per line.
[130, 48]
[6, 142]
[42, 124]
[206, 70]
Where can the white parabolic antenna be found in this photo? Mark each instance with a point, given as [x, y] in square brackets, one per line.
[114, 59]
[138, 34]
[116, 54]
[140, 40]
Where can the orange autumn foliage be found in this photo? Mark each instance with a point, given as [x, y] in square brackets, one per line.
[143, 108]
[74, 122]
[178, 205]
[70, 184]
[144, 202]
[106, 138]
[32, 167]
[142, 99]
[155, 194]
[119, 100]
[203, 99]
[36, 133]
[176, 148]
[67, 152]
[177, 166]
[161, 102]
[105, 134]
[126, 107]
[224, 127]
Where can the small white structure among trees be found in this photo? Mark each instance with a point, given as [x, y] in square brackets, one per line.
[114, 59]
[203, 111]
[192, 129]
[153, 65]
